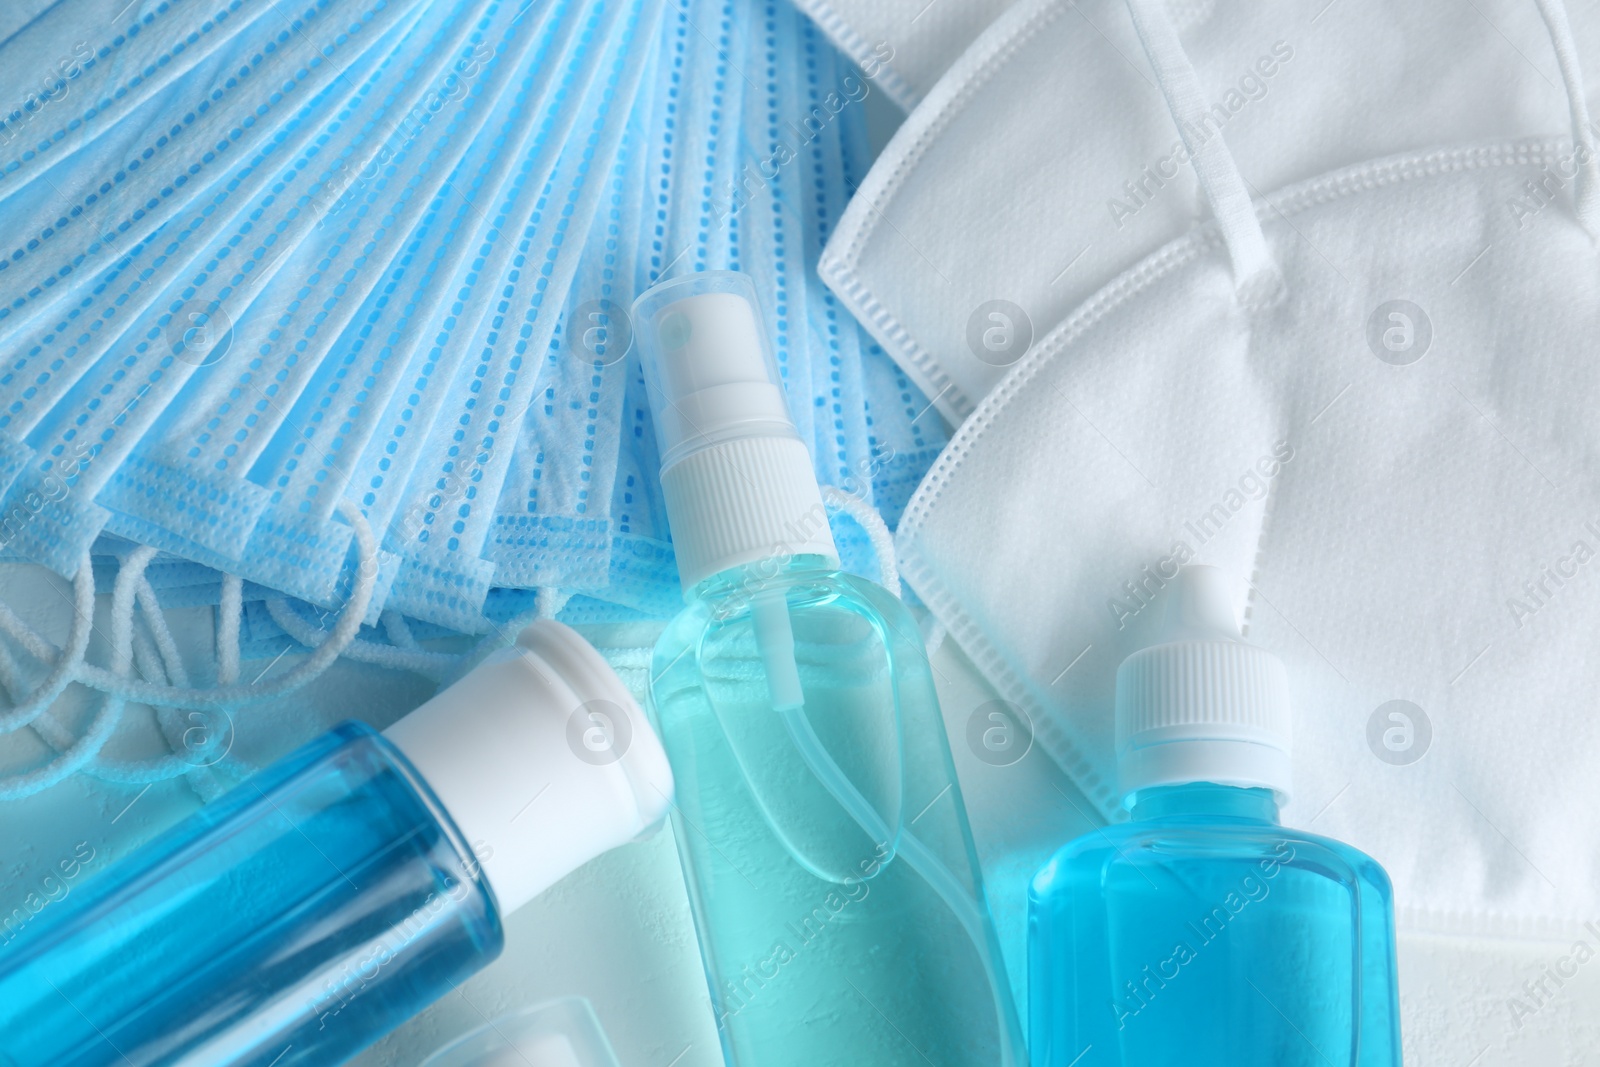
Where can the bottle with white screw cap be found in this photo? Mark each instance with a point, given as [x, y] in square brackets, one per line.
[834, 883]
[336, 893]
[1203, 931]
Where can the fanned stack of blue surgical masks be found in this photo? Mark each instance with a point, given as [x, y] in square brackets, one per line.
[273, 267]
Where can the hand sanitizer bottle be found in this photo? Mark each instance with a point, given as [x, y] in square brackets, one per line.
[341, 890]
[1201, 931]
[829, 863]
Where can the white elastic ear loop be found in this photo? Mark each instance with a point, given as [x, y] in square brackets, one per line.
[176, 724]
[131, 589]
[72, 668]
[1586, 194]
[343, 633]
[1256, 279]
[64, 664]
[229, 614]
[435, 665]
[868, 519]
[87, 747]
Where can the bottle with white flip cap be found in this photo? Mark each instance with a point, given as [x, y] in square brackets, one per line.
[338, 892]
[834, 883]
[1202, 931]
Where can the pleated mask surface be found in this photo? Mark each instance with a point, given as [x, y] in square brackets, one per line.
[464, 103]
[984, 223]
[278, 262]
[552, 526]
[446, 572]
[101, 374]
[215, 478]
[91, 189]
[1394, 458]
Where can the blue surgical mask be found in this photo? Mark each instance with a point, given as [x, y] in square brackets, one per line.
[244, 422]
[243, 470]
[110, 371]
[552, 526]
[445, 574]
[95, 185]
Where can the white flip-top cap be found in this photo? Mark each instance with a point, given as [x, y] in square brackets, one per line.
[1202, 705]
[542, 758]
[737, 480]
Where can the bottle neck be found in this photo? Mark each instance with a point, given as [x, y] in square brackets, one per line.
[1204, 799]
[739, 583]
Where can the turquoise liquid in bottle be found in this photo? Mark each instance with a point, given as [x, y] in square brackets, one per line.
[1201, 931]
[830, 867]
[827, 937]
[333, 895]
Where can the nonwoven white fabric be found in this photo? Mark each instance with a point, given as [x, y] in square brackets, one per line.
[905, 45]
[1408, 504]
[978, 199]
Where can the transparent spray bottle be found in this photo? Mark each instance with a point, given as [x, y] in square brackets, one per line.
[831, 870]
[338, 892]
[1201, 931]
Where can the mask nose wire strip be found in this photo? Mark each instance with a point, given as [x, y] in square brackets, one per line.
[1586, 196]
[1256, 278]
[876, 529]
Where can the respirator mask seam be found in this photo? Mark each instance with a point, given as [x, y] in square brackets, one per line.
[1364, 177]
[920, 575]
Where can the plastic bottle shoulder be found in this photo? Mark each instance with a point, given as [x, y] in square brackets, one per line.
[1267, 849]
[727, 600]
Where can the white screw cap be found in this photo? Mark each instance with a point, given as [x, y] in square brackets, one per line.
[1202, 705]
[542, 758]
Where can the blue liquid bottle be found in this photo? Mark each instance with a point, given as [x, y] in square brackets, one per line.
[1201, 931]
[341, 890]
[829, 864]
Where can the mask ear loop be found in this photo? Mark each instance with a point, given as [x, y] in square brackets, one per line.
[1586, 195]
[1256, 279]
[877, 531]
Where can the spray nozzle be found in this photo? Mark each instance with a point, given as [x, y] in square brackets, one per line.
[739, 485]
[711, 377]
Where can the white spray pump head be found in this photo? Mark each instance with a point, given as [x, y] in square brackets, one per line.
[738, 482]
[1202, 705]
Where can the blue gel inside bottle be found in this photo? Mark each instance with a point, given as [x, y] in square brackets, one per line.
[1203, 932]
[293, 921]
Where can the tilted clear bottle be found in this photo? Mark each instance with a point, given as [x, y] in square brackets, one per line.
[338, 892]
[835, 887]
[1202, 931]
